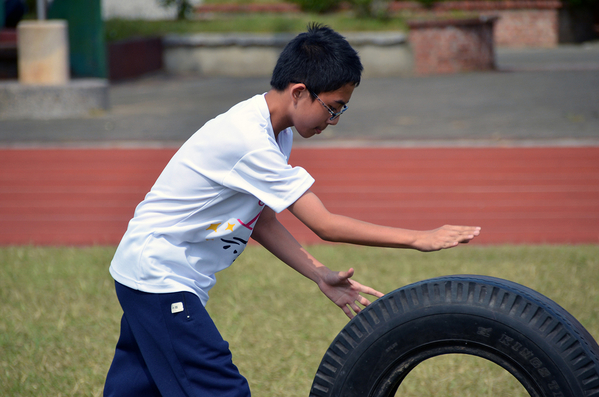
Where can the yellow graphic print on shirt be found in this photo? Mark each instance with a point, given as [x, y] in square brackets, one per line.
[236, 241]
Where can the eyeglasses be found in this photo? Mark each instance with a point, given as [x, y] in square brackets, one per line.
[334, 115]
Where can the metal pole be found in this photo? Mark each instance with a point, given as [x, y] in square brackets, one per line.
[41, 10]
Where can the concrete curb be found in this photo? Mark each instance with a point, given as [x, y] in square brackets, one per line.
[77, 98]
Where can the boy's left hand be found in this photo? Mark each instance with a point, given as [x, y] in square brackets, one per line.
[447, 236]
[344, 292]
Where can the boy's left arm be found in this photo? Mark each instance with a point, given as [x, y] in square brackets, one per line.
[337, 286]
[343, 229]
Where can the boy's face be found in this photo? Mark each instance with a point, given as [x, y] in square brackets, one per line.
[312, 117]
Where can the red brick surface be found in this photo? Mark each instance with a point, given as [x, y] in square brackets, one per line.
[526, 28]
[518, 195]
[520, 24]
[478, 5]
[452, 46]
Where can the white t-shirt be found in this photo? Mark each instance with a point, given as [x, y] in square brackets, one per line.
[200, 213]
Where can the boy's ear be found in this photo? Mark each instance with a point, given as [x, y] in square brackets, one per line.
[297, 90]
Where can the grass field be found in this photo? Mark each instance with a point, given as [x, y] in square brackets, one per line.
[59, 316]
[118, 29]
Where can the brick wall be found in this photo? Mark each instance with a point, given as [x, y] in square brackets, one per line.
[522, 23]
[526, 28]
[452, 46]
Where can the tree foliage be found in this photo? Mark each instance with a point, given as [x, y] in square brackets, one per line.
[184, 7]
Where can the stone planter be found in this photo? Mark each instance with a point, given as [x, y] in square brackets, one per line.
[252, 54]
[452, 45]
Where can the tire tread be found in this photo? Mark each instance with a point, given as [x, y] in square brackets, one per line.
[555, 326]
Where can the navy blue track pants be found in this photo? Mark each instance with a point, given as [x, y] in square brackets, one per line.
[170, 347]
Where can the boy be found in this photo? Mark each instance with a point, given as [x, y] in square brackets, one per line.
[225, 184]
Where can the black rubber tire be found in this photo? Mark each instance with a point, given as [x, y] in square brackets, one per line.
[544, 347]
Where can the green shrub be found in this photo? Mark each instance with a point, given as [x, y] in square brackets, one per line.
[318, 6]
[371, 8]
[581, 3]
[427, 3]
[184, 7]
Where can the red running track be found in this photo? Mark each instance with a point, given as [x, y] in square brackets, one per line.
[517, 195]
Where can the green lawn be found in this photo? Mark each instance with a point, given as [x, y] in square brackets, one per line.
[59, 316]
[118, 29]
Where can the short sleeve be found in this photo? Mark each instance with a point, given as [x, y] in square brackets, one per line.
[266, 175]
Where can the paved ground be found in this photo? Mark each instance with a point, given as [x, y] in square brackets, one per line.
[539, 95]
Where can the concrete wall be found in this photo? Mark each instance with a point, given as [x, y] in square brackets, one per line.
[382, 54]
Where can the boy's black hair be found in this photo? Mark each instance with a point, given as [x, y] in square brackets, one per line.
[320, 58]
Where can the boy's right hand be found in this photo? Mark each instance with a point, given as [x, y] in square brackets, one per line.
[345, 292]
[447, 236]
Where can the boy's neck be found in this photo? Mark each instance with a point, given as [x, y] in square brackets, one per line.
[278, 106]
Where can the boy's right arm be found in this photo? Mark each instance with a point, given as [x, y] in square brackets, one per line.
[339, 287]
[338, 228]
